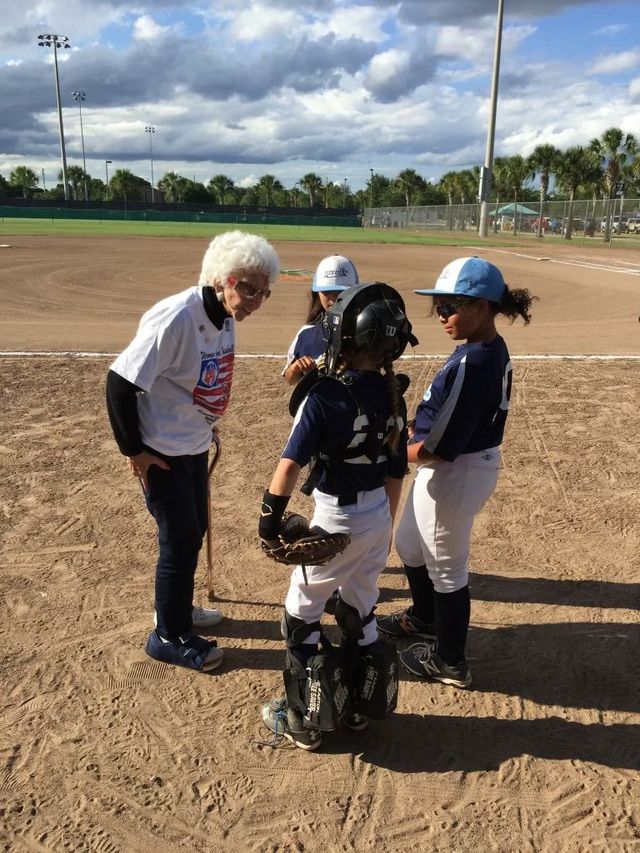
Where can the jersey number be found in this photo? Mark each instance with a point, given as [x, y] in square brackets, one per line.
[506, 387]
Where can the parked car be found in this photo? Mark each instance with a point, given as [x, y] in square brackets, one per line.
[633, 224]
[579, 227]
[618, 226]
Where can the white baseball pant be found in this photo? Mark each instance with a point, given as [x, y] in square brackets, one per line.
[435, 528]
[355, 572]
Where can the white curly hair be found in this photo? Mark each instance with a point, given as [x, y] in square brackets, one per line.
[237, 250]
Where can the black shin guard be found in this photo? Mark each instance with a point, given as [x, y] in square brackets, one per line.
[422, 592]
[453, 610]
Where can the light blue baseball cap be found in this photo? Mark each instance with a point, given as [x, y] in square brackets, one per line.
[469, 277]
[335, 272]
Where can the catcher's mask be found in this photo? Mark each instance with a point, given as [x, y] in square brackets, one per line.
[370, 317]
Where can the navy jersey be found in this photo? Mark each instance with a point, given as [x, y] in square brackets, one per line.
[464, 410]
[310, 340]
[334, 418]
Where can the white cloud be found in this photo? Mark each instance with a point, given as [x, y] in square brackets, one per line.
[261, 22]
[145, 28]
[634, 90]
[363, 22]
[611, 30]
[613, 63]
[385, 66]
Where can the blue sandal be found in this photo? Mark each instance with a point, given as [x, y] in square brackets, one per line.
[191, 651]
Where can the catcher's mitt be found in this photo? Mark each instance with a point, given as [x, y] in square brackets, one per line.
[297, 543]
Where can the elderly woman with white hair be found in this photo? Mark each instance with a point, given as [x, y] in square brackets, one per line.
[165, 394]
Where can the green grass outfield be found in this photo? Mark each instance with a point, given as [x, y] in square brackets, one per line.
[297, 233]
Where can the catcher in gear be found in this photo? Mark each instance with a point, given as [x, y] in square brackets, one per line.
[349, 427]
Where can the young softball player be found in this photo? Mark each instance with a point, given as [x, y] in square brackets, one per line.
[459, 427]
[350, 427]
[165, 393]
[334, 274]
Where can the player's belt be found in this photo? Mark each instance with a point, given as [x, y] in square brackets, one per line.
[347, 499]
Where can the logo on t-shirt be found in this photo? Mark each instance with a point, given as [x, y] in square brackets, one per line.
[213, 390]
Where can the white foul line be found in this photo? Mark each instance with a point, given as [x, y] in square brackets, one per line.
[282, 356]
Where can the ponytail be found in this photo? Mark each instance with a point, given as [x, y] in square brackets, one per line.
[516, 303]
[394, 401]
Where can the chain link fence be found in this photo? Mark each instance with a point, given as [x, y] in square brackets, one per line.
[586, 218]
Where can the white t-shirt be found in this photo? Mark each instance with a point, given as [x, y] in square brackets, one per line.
[185, 366]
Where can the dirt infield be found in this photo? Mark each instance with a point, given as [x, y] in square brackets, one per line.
[105, 750]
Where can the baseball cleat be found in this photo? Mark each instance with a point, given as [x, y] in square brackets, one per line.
[422, 659]
[405, 624]
[284, 722]
[356, 722]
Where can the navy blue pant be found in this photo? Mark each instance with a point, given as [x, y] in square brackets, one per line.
[177, 499]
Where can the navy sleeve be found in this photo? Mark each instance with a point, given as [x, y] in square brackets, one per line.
[308, 434]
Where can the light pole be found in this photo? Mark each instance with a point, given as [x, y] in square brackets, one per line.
[55, 41]
[370, 195]
[106, 177]
[151, 130]
[80, 97]
[485, 174]
[44, 183]
[344, 194]
[326, 192]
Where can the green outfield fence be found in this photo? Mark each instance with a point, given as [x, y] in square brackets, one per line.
[104, 215]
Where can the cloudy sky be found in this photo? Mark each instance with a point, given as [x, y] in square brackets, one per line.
[337, 87]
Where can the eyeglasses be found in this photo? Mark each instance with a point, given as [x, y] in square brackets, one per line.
[448, 309]
[248, 291]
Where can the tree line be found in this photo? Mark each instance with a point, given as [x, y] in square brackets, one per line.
[609, 166]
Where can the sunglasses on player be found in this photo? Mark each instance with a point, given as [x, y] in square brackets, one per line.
[248, 291]
[448, 308]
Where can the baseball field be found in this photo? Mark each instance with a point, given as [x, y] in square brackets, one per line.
[103, 749]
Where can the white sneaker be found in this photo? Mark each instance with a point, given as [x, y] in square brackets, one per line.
[202, 617]
[206, 617]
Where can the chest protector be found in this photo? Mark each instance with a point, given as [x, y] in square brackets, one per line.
[370, 435]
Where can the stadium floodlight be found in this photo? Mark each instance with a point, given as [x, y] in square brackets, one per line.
[485, 173]
[56, 41]
[106, 178]
[151, 130]
[80, 97]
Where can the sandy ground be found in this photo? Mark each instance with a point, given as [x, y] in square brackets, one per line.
[102, 749]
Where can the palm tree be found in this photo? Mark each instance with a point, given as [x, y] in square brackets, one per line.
[574, 167]
[173, 186]
[312, 185]
[448, 185]
[220, 186]
[411, 183]
[267, 186]
[613, 149]
[125, 185]
[24, 179]
[76, 178]
[516, 173]
[541, 162]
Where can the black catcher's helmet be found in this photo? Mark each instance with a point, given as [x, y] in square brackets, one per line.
[370, 317]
